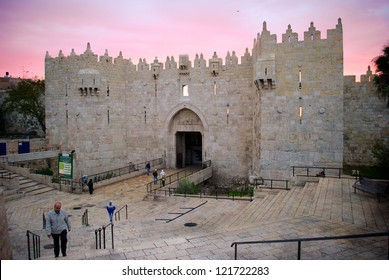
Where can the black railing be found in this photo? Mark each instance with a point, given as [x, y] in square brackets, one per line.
[117, 213]
[231, 194]
[320, 171]
[170, 179]
[150, 187]
[85, 218]
[34, 245]
[274, 183]
[6, 175]
[300, 240]
[131, 167]
[100, 238]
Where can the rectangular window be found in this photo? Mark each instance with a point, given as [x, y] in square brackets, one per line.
[214, 88]
[185, 90]
[299, 78]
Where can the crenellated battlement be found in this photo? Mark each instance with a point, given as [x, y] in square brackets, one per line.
[170, 63]
[351, 80]
[265, 39]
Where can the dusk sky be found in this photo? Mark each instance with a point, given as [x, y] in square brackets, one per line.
[156, 28]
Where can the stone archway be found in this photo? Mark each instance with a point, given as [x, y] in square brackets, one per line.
[186, 139]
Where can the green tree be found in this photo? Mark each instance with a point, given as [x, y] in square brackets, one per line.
[381, 80]
[27, 98]
[381, 154]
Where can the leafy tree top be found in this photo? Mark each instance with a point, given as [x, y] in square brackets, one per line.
[27, 98]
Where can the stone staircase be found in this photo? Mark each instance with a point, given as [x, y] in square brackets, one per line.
[152, 231]
[152, 222]
[17, 186]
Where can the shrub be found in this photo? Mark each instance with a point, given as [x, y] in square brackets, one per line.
[381, 154]
[187, 187]
[45, 171]
[245, 191]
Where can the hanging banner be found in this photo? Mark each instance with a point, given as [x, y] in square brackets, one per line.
[65, 166]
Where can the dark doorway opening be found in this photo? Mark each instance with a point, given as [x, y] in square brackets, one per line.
[189, 148]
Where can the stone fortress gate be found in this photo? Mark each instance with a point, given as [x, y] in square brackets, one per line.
[279, 106]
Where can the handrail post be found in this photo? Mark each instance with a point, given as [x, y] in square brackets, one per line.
[299, 250]
[112, 235]
[99, 238]
[236, 251]
[96, 238]
[103, 237]
[28, 245]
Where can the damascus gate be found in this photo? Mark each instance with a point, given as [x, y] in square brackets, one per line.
[276, 105]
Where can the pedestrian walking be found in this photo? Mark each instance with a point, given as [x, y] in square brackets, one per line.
[155, 174]
[90, 186]
[163, 177]
[111, 209]
[148, 168]
[57, 226]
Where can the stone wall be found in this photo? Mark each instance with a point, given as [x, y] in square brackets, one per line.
[36, 144]
[111, 114]
[299, 76]
[366, 120]
[5, 245]
[245, 115]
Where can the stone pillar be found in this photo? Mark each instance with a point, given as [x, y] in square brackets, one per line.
[5, 244]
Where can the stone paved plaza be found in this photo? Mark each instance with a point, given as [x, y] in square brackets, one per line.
[155, 228]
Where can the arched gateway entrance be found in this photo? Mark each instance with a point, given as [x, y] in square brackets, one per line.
[188, 148]
[185, 137]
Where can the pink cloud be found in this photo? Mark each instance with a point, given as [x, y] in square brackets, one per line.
[150, 28]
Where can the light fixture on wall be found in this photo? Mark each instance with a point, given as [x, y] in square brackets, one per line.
[301, 113]
[301, 109]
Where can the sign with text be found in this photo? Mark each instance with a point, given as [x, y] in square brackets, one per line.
[65, 166]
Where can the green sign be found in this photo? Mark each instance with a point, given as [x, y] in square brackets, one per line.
[65, 166]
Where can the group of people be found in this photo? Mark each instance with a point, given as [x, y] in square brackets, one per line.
[57, 221]
[155, 174]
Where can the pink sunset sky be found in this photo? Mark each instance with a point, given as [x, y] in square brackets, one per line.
[155, 28]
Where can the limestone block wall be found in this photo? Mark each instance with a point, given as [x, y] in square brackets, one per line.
[285, 104]
[301, 111]
[115, 113]
[36, 144]
[5, 244]
[366, 120]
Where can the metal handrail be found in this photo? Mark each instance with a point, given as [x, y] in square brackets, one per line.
[100, 238]
[6, 175]
[317, 171]
[117, 213]
[131, 167]
[36, 245]
[261, 181]
[216, 195]
[169, 179]
[172, 178]
[300, 240]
